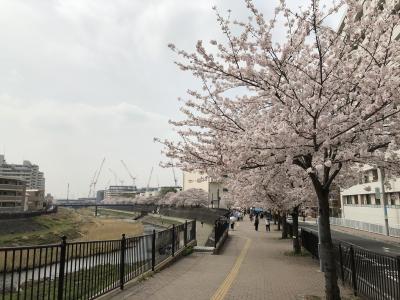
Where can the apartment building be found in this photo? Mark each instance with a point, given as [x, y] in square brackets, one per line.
[12, 195]
[26, 171]
[200, 180]
[35, 200]
[362, 202]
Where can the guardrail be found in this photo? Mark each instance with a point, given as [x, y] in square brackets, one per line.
[86, 270]
[374, 228]
[369, 274]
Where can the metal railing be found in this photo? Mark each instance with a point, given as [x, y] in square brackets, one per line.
[86, 270]
[375, 228]
[372, 275]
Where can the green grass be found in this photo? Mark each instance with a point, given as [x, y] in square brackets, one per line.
[46, 229]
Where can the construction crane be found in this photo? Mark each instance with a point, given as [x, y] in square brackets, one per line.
[91, 184]
[116, 178]
[97, 177]
[175, 179]
[148, 182]
[92, 187]
[130, 175]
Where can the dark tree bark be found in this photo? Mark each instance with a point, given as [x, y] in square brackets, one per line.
[284, 227]
[278, 217]
[296, 242]
[332, 291]
[275, 217]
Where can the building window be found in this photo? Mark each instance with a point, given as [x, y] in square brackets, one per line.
[374, 175]
[366, 177]
[224, 189]
[377, 201]
[392, 199]
[347, 199]
[368, 199]
[355, 199]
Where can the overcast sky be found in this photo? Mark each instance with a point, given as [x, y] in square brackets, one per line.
[85, 79]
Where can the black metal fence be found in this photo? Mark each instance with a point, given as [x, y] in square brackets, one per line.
[86, 270]
[220, 228]
[369, 274]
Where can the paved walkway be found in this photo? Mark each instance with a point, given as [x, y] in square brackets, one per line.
[252, 265]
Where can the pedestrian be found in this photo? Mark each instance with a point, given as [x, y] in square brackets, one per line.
[251, 217]
[232, 220]
[267, 224]
[256, 222]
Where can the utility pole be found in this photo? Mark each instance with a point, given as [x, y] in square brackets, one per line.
[380, 194]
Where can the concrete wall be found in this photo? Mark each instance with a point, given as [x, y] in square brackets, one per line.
[371, 214]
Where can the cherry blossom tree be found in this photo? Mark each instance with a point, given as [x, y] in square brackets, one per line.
[192, 197]
[321, 100]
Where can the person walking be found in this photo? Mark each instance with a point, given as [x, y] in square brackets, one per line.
[232, 220]
[267, 224]
[256, 222]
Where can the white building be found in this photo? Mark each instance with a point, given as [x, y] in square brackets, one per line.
[362, 202]
[199, 180]
[120, 191]
[27, 171]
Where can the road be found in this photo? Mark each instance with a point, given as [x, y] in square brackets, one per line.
[381, 247]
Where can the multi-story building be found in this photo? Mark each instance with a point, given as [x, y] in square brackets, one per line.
[35, 199]
[12, 195]
[27, 171]
[120, 191]
[199, 180]
[362, 202]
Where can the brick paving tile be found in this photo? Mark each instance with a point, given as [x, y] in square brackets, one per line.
[265, 273]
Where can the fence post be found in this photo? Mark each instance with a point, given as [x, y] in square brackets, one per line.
[353, 271]
[173, 240]
[153, 250]
[122, 263]
[398, 272]
[341, 262]
[61, 269]
[185, 235]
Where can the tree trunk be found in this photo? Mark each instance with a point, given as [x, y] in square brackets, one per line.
[326, 253]
[278, 218]
[284, 227]
[296, 242]
[274, 219]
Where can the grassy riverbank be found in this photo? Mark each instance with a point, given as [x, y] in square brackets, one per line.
[75, 224]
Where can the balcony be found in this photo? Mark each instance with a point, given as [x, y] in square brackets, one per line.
[11, 198]
[12, 187]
